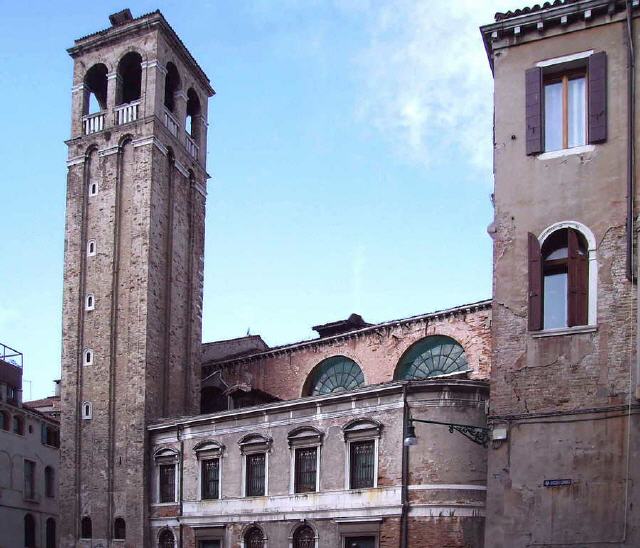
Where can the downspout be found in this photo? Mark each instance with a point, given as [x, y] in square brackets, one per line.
[181, 483]
[630, 139]
[404, 518]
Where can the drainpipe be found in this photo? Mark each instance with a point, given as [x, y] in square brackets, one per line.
[630, 139]
[404, 519]
[181, 483]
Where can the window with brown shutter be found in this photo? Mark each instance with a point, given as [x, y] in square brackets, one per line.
[566, 104]
[598, 97]
[558, 281]
[535, 283]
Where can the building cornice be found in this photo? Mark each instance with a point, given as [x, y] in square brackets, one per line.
[326, 341]
[536, 21]
[377, 390]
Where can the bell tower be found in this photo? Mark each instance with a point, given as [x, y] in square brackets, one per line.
[134, 244]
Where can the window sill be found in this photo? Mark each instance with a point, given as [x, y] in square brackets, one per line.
[566, 152]
[174, 503]
[577, 330]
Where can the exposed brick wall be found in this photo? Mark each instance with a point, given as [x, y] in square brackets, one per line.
[377, 351]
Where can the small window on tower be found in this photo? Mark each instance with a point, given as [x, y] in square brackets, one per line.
[91, 248]
[87, 411]
[87, 358]
[90, 302]
[93, 189]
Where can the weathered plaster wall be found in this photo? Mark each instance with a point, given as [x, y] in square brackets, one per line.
[447, 473]
[539, 383]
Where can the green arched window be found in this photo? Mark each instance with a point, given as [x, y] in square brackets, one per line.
[334, 374]
[431, 357]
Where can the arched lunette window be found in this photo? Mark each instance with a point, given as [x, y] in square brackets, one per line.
[86, 530]
[335, 374]
[254, 538]
[171, 86]
[95, 89]
[431, 357]
[166, 539]
[558, 280]
[304, 537]
[119, 529]
[129, 78]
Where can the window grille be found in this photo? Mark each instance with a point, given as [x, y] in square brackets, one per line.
[167, 483]
[166, 539]
[336, 374]
[431, 357]
[306, 461]
[254, 538]
[210, 478]
[304, 537]
[255, 465]
[362, 464]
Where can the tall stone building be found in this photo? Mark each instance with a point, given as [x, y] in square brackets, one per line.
[133, 268]
[563, 467]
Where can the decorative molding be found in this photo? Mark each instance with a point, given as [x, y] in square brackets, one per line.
[200, 189]
[565, 59]
[447, 486]
[112, 76]
[182, 169]
[75, 160]
[109, 151]
[151, 140]
[153, 63]
[180, 94]
[77, 87]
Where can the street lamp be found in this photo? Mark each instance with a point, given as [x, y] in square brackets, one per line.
[477, 434]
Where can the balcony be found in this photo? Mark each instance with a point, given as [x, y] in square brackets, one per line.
[171, 123]
[92, 123]
[126, 113]
[191, 145]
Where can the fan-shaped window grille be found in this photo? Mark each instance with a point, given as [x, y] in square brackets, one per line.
[166, 539]
[431, 357]
[304, 537]
[335, 375]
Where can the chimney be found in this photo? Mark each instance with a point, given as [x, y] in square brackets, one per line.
[120, 18]
[56, 388]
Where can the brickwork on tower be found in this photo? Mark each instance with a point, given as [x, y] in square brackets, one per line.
[133, 267]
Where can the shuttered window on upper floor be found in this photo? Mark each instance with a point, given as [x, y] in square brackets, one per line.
[566, 104]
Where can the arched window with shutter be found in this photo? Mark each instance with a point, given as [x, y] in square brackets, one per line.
[119, 529]
[562, 277]
[29, 531]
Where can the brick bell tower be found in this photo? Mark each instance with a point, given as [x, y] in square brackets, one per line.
[134, 245]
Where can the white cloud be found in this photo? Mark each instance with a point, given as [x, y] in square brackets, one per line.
[424, 77]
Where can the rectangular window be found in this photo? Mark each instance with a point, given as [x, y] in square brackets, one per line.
[362, 464]
[360, 542]
[565, 111]
[29, 479]
[49, 435]
[306, 463]
[255, 474]
[210, 478]
[167, 483]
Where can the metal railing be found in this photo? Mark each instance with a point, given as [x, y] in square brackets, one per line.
[10, 355]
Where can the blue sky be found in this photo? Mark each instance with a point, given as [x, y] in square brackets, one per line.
[349, 148]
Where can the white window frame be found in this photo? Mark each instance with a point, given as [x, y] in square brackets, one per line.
[208, 451]
[87, 352]
[93, 188]
[166, 456]
[592, 297]
[356, 431]
[265, 541]
[86, 411]
[304, 437]
[90, 252]
[90, 302]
